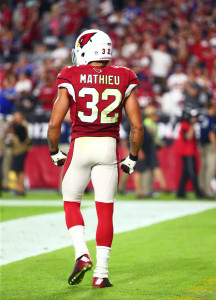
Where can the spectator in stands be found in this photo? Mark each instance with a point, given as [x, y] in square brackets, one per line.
[8, 96]
[177, 79]
[212, 87]
[161, 65]
[202, 80]
[55, 20]
[210, 58]
[24, 84]
[6, 14]
[2, 149]
[20, 146]
[186, 146]
[7, 157]
[129, 47]
[25, 102]
[23, 66]
[191, 92]
[48, 92]
[150, 121]
[8, 45]
[72, 20]
[143, 176]
[208, 150]
[60, 54]
[132, 10]
[173, 100]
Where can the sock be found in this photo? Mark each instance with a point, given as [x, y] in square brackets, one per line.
[77, 234]
[102, 254]
[76, 228]
[104, 234]
[73, 214]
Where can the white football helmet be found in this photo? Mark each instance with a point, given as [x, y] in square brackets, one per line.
[91, 45]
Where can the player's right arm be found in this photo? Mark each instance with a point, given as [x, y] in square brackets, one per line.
[59, 112]
[136, 132]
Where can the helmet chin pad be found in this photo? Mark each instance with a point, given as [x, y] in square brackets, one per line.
[92, 45]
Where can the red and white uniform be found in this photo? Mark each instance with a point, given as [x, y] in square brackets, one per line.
[97, 97]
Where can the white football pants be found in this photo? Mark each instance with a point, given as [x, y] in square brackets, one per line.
[92, 158]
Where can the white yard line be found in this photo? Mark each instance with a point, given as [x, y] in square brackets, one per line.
[31, 236]
[39, 203]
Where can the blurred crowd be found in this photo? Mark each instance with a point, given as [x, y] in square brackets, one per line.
[169, 44]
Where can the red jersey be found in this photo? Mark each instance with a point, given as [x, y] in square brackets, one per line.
[97, 97]
[182, 146]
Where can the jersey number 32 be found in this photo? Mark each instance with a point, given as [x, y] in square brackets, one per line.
[104, 119]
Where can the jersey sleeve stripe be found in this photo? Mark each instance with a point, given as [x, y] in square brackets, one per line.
[63, 79]
[129, 89]
[70, 89]
[133, 79]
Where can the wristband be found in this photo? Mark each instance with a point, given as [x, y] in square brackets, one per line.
[55, 152]
[132, 157]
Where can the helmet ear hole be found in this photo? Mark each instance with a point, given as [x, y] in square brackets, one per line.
[83, 54]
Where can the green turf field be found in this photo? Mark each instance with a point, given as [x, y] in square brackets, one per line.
[54, 195]
[172, 260]
[11, 213]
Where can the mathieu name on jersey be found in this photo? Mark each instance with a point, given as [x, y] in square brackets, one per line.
[97, 97]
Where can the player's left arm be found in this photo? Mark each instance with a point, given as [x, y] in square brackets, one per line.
[133, 114]
[59, 112]
[136, 133]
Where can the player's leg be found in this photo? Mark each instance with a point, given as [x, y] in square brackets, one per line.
[184, 178]
[75, 179]
[147, 181]
[105, 180]
[138, 184]
[122, 183]
[210, 169]
[191, 162]
[140, 167]
[203, 168]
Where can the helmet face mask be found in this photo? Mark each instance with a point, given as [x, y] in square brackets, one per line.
[73, 55]
[92, 45]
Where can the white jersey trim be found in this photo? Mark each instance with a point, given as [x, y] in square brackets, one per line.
[70, 89]
[129, 89]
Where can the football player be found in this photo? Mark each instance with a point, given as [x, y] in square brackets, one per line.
[95, 93]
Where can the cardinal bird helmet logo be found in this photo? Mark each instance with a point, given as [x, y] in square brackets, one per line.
[84, 39]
